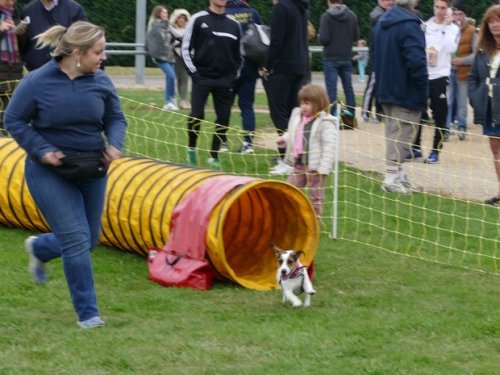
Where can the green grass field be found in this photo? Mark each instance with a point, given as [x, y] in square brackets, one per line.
[375, 312]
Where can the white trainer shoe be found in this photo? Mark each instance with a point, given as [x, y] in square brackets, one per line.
[280, 169]
[170, 107]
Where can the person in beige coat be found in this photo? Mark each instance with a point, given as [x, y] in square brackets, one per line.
[311, 143]
[178, 21]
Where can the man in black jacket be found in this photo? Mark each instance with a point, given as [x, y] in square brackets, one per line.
[338, 30]
[286, 65]
[211, 50]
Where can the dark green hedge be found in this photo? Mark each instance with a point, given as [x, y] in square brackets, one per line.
[118, 16]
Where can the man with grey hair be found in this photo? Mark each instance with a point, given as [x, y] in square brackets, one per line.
[402, 87]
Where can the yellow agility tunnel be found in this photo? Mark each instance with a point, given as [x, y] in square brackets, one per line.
[142, 195]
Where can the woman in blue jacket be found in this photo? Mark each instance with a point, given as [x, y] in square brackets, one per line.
[68, 108]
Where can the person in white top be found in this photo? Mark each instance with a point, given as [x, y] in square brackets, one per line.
[441, 39]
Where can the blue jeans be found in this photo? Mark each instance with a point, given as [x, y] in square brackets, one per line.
[333, 69]
[169, 70]
[244, 87]
[73, 211]
[461, 99]
[452, 100]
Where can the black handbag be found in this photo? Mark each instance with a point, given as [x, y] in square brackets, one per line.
[256, 43]
[81, 165]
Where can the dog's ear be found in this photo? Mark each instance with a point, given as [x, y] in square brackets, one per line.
[276, 249]
[298, 253]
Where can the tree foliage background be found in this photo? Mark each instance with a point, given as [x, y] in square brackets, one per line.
[118, 16]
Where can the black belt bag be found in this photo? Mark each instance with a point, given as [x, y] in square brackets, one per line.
[81, 165]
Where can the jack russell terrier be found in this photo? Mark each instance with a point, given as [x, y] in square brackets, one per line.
[292, 277]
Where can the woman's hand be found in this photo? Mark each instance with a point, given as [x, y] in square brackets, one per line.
[111, 153]
[53, 158]
[6, 25]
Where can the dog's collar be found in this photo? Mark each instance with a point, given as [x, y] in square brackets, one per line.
[298, 271]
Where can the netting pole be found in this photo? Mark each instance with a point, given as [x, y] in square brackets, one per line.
[140, 40]
[336, 178]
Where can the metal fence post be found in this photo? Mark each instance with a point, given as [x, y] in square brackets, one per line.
[140, 39]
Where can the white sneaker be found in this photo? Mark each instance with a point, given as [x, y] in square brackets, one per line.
[223, 147]
[281, 168]
[94, 322]
[36, 266]
[412, 188]
[395, 187]
[246, 148]
[170, 107]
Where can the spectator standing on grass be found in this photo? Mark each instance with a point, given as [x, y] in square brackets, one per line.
[460, 67]
[44, 14]
[178, 21]
[338, 31]
[441, 39]
[369, 94]
[11, 67]
[286, 67]
[244, 87]
[402, 87]
[212, 53]
[310, 143]
[484, 87]
[68, 107]
[159, 44]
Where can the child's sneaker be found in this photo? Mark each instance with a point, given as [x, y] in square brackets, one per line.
[94, 322]
[281, 168]
[36, 266]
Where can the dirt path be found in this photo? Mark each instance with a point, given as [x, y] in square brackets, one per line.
[465, 169]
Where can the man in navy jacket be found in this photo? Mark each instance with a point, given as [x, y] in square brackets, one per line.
[44, 14]
[402, 86]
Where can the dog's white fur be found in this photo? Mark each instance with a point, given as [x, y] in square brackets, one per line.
[292, 277]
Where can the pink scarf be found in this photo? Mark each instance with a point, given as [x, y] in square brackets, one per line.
[299, 137]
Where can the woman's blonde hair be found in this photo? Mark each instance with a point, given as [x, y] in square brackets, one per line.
[316, 95]
[155, 14]
[486, 40]
[81, 35]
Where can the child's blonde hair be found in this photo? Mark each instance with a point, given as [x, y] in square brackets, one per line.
[316, 95]
[362, 43]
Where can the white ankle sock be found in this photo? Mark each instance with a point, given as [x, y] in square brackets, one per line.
[391, 173]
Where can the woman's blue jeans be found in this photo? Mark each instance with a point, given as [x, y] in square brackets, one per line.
[169, 70]
[73, 212]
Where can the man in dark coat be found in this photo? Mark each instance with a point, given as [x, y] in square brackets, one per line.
[400, 64]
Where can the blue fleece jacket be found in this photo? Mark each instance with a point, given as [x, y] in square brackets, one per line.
[400, 60]
[49, 112]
